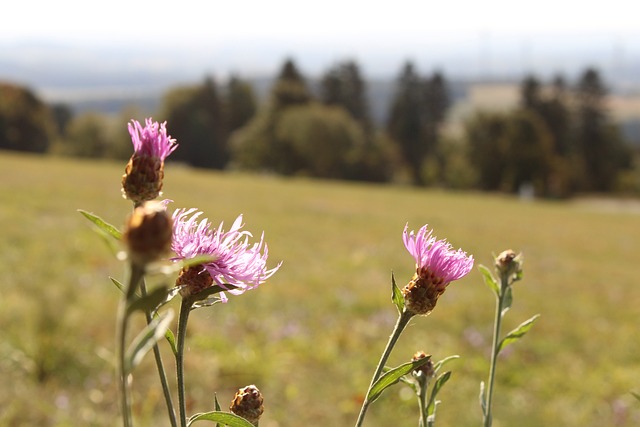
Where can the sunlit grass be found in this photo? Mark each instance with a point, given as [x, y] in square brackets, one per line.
[310, 338]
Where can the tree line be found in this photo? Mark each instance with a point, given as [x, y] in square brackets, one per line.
[557, 142]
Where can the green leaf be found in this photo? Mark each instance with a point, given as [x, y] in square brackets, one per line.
[396, 295]
[636, 395]
[483, 401]
[210, 291]
[225, 418]
[392, 376]
[439, 364]
[197, 260]
[517, 333]
[489, 279]
[148, 302]
[216, 407]
[149, 336]
[171, 339]
[118, 284]
[206, 303]
[437, 386]
[507, 300]
[102, 224]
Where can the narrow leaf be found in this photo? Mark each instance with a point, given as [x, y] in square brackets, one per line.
[393, 376]
[483, 402]
[518, 332]
[102, 224]
[171, 339]
[440, 382]
[489, 280]
[210, 291]
[206, 303]
[118, 284]
[225, 418]
[439, 364]
[148, 302]
[507, 300]
[636, 395]
[146, 340]
[216, 407]
[396, 295]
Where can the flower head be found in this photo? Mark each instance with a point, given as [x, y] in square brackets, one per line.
[143, 176]
[248, 403]
[437, 265]
[235, 261]
[148, 233]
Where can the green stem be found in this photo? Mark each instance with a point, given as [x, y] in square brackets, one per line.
[402, 322]
[422, 402]
[185, 309]
[160, 366]
[494, 349]
[136, 274]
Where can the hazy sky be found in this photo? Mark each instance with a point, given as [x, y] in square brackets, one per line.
[180, 22]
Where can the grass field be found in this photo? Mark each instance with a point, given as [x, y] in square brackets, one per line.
[310, 337]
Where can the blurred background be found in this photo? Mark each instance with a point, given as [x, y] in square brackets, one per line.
[329, 125]
[406, 91]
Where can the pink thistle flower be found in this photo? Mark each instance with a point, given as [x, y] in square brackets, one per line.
[437, 265]
[151, 140]
[144, 173]
[235, 261]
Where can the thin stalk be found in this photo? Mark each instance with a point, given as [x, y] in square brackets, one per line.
[402, 322]
[494, 349]
[422, 402]
[136, 274]
[185, 309]
[160, 366]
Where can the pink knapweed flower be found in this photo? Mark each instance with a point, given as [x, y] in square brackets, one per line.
[144, 173]
[235, 261]
[152, 139]
[437, 265]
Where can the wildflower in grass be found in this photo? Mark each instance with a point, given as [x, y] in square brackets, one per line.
[437, 265]
[148, 233]
[248, 404]
[234, 261]
[144, 173]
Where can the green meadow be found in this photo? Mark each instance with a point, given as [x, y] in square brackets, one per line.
[311, 336]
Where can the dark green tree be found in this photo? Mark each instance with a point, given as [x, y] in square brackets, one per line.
[195, 119]
[87, 136]
[240, 103]
[25, 121]
[343, 85]
[290, 87]
[601, 153]
[484, 135]
[405, 123]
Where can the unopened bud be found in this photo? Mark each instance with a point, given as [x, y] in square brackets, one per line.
[425, 370]
[247, 404]
[148, 233]
[510, 264]
[142, 179]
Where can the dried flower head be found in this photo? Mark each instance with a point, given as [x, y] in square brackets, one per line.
[143, 176]
[234, 260]
[437, 265]
[148, 233]
[248, 404]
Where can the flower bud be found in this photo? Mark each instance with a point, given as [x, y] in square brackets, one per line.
[509, 263]
[425, 370]
[142, 179]
[247, 404]
[148, 233]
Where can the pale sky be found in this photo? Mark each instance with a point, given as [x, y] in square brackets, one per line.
[181, 22]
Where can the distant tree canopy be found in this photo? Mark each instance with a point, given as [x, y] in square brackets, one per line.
[25, 121]
[417, 113]
[295, 134]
